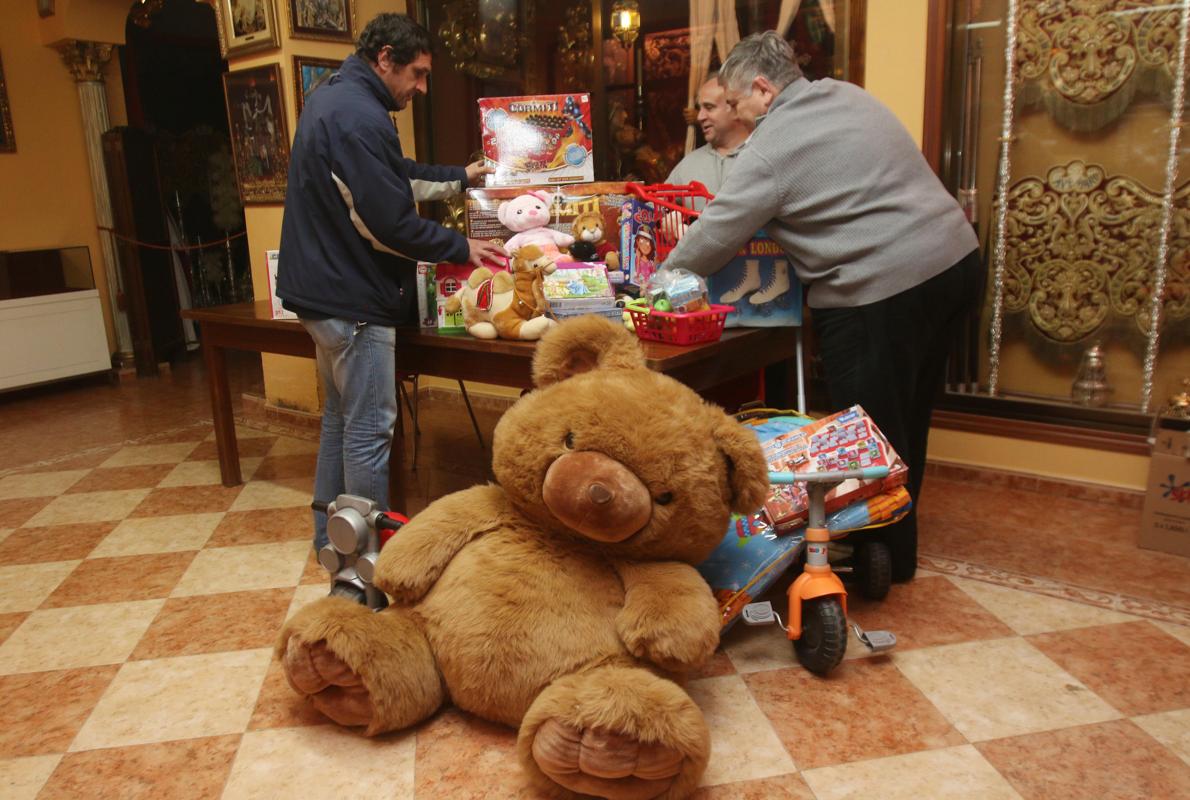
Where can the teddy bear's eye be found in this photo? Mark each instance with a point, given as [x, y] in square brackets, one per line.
[568, 441]
[664, 499]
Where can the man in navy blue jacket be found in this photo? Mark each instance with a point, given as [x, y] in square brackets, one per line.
[350, 240]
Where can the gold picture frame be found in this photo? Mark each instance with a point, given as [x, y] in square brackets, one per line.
[246, 26]
[324, 20]
[308, 74]
[8, 142]
[259, 133]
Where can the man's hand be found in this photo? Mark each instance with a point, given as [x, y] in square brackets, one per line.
[476, 170]
[482, 250]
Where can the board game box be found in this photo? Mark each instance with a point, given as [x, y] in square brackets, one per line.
[537, 139]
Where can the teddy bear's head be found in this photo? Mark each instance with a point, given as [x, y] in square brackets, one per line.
[609, 451]
[525, 212]
[588, 227]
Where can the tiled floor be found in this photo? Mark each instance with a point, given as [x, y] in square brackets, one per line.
[139, 599]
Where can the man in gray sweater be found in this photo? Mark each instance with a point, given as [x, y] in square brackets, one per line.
[890, 262]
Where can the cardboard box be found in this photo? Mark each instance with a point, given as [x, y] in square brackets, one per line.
[427, 316]
[1165, 520]
[271, 260]
[539, 139]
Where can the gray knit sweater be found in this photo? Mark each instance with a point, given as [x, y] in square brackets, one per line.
[836, 180]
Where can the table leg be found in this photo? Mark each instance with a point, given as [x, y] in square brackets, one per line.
[225, 429]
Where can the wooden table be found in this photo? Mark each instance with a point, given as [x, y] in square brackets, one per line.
[249, 326]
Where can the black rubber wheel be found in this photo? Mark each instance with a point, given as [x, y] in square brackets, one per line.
[824, 635]
[352, 593]
[873, 570]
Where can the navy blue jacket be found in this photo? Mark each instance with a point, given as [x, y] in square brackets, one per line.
[351, 233]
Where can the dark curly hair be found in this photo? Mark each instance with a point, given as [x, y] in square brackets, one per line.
[406, 38]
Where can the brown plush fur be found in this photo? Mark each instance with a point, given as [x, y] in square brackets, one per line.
[519, 618]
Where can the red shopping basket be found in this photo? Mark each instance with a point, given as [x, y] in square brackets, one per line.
[690, 328]
[673, 209]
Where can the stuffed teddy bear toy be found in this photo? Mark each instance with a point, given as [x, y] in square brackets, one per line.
[563, 598]
[506, 305]
[589, 241]
[528, 217]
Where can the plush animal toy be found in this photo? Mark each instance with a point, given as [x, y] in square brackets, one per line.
[559, 599]
[589, 241]
[528, 217]
[506, 305]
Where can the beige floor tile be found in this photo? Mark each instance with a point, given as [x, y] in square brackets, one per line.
[88, 507]
[759, 648]
[272, 494]
[1171, 728]
[22, 778]
[205, 473]
[952, 772]
[39, 484]
[1001, 687]
[146, 535]
[26, 586]
[244, 432]
[1180, 632]
[177, 698]
[323, 761]
[77, 636]
[744, 745]
[238, 569]
[289, 446]
[305, 595]
[150, 454]
[5, 533]
[1028, 613]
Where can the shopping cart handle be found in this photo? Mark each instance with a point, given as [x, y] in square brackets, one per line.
[835, 476]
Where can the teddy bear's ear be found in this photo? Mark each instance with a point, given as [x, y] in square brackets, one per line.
[581, 345]
[747, 471]
[501, 212]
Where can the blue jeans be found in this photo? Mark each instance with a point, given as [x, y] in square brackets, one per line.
[359, 411]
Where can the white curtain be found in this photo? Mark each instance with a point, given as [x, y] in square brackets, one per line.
[712, 24]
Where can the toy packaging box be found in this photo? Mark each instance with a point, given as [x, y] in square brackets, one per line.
[846, 440]
[753, 554]
[606, 198]
[1165, 520]
[759, 282]
[538, 139]
[272, 261]
[448, 279]
[575, 289]
[427, 307]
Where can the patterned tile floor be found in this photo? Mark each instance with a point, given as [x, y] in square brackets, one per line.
[139, 599]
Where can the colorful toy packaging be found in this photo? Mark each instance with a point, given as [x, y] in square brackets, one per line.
[846, 440]
[427, 314]
[539, 139]
[577, 289]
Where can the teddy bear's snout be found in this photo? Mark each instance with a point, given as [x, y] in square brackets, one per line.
[597, 496]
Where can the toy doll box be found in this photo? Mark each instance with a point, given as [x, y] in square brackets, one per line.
[539, 139]
[606, 198]
[758, 282]
[842, 441]
[447, 280]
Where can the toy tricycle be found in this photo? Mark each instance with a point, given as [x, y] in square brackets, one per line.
[357, 529]
[817, 599]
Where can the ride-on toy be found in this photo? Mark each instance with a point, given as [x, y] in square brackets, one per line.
[817, 599]
[357, 529]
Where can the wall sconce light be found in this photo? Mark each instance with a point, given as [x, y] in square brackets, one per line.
[626, 21]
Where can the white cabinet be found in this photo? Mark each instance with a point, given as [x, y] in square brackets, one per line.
[52, 336]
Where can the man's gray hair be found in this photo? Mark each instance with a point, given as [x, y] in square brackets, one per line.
[766, 54]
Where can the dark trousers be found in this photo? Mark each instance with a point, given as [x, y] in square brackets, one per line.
[890, 357]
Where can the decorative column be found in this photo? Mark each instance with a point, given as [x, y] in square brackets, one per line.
[86, 61]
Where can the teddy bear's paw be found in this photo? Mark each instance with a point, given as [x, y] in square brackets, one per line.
[603, 763]
[334, 688]
[678, 649]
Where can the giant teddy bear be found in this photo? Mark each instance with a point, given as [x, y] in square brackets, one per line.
[562, 599]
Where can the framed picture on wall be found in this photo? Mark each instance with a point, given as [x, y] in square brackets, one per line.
[329, 20]
[259, 135]
[308, 75]
[246, 26]
[8, 143]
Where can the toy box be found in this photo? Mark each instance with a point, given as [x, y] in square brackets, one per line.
[539, 139]
[447, 280]
[1165, 520]
[427, 312]
[846, 440]
[575, 289]
[605, 198]
[272, 260]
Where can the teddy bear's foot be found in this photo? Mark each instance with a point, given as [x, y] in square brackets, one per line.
[615, 732]
[361, 668]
